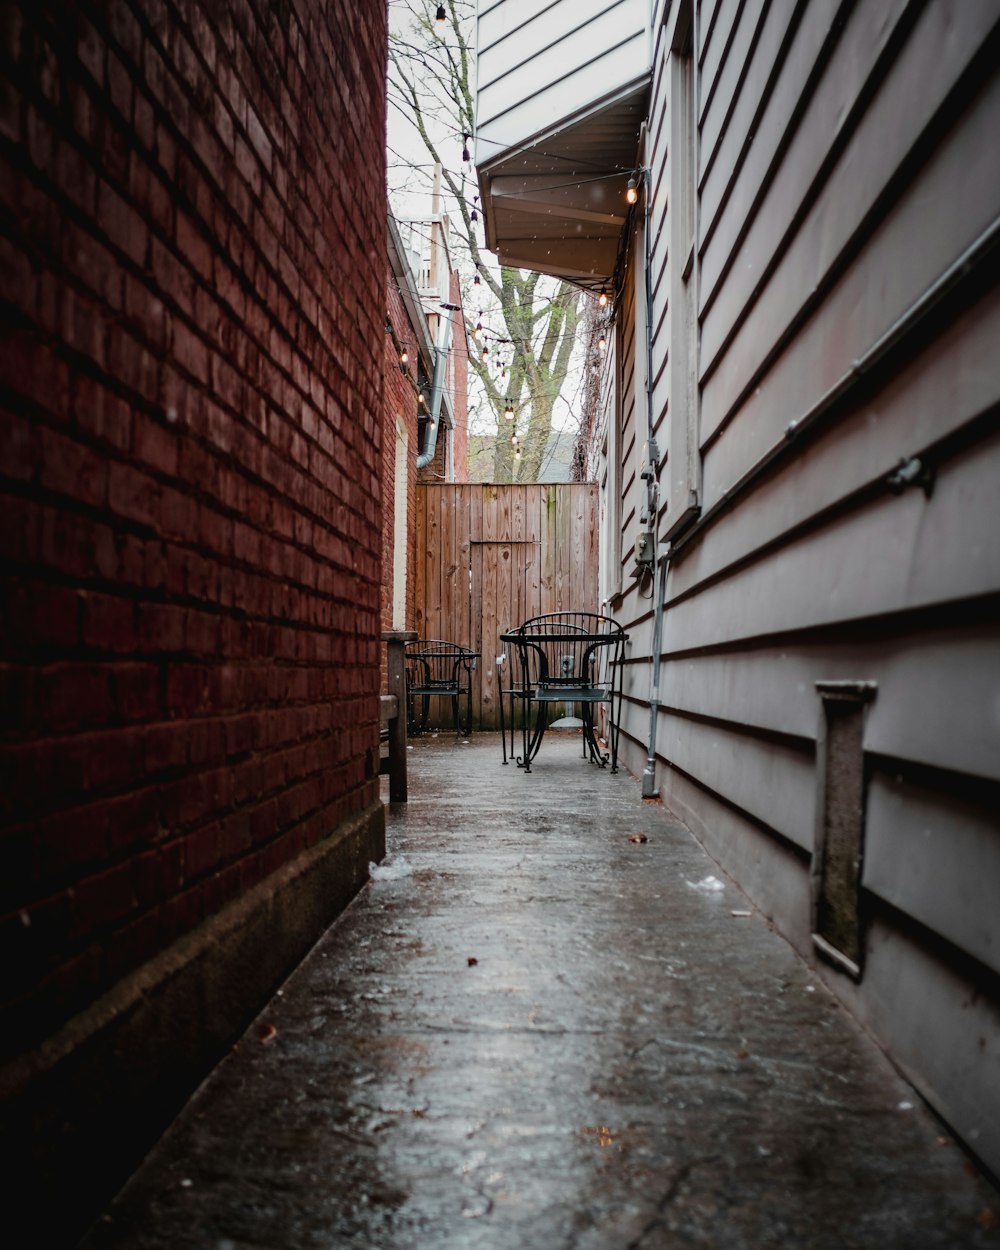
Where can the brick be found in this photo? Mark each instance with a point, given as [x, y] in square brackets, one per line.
[134, 495]
[155, 445]
[101, 413]
[158, 874]
[122, 225]
[200, 852]
[159, 628]
[71, 696]
[135, 691]
[190, 352]
[71, 840]
[107, 622]
[71, 468]
[193, 246]
[34, 371]
[42, 616]
[91, 50]
[112, 759]
[99, 901]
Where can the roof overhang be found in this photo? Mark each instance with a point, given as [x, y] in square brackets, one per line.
[556, 202]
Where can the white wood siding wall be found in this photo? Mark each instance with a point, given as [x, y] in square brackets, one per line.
[847, 170]
[541, 65]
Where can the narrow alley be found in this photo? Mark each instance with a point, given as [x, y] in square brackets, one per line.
[550, 1021]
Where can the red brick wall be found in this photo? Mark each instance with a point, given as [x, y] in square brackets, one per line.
[192, 221]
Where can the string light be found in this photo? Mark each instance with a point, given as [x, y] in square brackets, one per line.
[475, 281]
[486, 351]
[477, 333]
[440, 17]
[631, 194]
[602, 299]
[508, 412]
[602, 343]
[475, 215]
[404, 357]
[465, 148]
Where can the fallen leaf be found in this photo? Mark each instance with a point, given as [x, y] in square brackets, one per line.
[944, 1141]
[266, 1033]
[742, 1054]
[472, 961]
[988, 1219]
[638, 837]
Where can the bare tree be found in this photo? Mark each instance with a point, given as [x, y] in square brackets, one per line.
[527, 323]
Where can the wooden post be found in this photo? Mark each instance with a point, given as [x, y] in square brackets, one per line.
[395, 641]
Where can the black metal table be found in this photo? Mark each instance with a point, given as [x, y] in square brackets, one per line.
[563, 657]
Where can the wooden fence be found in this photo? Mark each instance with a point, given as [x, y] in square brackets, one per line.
[489, 557]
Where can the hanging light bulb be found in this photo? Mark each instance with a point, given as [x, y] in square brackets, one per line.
[477, 333]
[513, 439]
[486, 351]
[508, 412]
[475, 280]
[440, 17]
[404, 357]
[465, 148]
[602, 343]
[631, 191]
[517, 453]
[602, 299]
[475, 201]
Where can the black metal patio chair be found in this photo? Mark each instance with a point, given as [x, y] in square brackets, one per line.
[439, 669]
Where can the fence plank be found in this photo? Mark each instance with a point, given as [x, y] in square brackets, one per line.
[491, 556]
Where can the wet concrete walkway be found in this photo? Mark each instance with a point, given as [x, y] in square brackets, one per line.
[535, 1031]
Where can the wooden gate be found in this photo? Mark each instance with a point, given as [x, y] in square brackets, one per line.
[489, 557]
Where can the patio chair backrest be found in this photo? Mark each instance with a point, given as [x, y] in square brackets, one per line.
[571, 652]
[434, 664]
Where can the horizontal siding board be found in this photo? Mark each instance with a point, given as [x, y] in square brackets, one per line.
[732, 164]
[940, 1028]
[896, 264]
[888, 279]
[937, 859]
[944, 387]
[891, 555]
[772, 782]
[713, 57]
[728, 95]
[509, 36]
[773, 689]
[577, 76]
[824, 116]
[772, 874]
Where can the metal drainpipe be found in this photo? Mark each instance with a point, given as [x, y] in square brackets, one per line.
[651, 472]
[649, 789]
[437, 389]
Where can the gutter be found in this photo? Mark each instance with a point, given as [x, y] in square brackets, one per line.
[417, 315]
